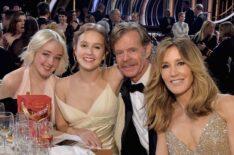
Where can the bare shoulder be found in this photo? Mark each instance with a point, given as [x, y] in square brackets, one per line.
[112, 73]
[225, 105]
[114, 77]
[11, 82]
[62, 86]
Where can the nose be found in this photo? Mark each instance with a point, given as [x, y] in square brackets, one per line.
[173, 71]
[50, 61]
[125, 56]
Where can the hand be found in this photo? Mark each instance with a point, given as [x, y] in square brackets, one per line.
[5, 42]
[90, 138]
[201, 46]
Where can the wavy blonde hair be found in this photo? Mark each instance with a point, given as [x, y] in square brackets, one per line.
[38, 40]
[159, 100]
[203, 31]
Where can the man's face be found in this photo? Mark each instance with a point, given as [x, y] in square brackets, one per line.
[131, 55]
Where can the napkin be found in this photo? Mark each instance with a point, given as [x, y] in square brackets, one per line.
[70, 150]
[65, 136]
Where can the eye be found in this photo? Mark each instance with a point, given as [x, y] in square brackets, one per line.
[164, 66]
[132, 50]
[118, 53]
[97, 47]
[83, 45]
[58, 58]
[45, 54]
[181, 63]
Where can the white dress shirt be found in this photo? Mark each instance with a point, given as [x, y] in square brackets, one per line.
[139, 112]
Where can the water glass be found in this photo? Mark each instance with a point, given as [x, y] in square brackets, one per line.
[45, 131]
[6, 128]
[40, 148]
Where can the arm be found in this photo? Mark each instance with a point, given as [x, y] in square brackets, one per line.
[224, 107]
[10, 84]
[161, 146]
[89, 137]
[114, 78]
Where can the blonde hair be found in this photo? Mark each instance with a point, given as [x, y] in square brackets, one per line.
[159, 100]
[38, 40]
[202, 32]
[92, 27]
[227, 29]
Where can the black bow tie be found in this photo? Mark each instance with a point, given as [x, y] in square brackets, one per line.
[136, 87]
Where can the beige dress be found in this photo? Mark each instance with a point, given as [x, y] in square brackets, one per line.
[101, 117]
[213, 141]
[25, 87]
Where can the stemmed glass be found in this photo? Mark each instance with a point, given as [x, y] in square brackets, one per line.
[6, 126]
[2, 107]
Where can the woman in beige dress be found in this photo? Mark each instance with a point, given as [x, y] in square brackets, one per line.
[87, 100]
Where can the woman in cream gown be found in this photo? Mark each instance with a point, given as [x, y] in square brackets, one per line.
[87, 100]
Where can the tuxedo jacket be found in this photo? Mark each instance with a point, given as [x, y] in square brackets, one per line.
[126, 134]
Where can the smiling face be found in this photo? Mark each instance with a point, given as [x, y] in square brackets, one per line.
[176, 73]
[90, 50]
[47, 58]
[131, 55]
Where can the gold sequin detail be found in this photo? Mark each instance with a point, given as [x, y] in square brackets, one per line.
[213, 141]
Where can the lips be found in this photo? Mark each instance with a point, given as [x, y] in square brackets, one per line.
[88, 59]
[177, 81]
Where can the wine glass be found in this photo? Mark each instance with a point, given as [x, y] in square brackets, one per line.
[2, 107]
[6, 127]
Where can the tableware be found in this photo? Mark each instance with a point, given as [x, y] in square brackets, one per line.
[6, 127]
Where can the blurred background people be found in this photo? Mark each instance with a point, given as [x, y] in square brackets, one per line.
[180, 29]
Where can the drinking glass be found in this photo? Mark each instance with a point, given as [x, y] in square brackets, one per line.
[6, 127]
[2, 107]
[45, 131]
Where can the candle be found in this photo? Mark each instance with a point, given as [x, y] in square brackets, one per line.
[74, 5]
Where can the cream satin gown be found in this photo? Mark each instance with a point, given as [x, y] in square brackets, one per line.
[101, 117]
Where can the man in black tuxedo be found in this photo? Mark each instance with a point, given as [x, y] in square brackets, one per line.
[199, 18]
[132, 47]
[167, 23]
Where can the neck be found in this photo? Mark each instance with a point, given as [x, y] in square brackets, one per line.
[90, 76]
[183, 100]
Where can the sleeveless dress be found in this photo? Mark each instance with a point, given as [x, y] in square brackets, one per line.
[101, 117]
[25, 87]
[213, 140]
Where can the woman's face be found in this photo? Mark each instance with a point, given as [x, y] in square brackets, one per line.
[62, 19]
[210, 29]
[176, 73]
[182, 18]
[90, 50]
[47, 58]
[20, 24]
